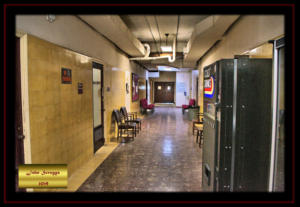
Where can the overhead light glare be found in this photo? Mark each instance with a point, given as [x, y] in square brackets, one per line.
[166, 48]
[166, 68]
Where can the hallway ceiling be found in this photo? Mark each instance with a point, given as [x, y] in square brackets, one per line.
[195, 35]
[151, 29]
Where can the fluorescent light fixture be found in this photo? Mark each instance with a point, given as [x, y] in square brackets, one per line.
[166, 68]
[166, 48]
[254, 50]
[246, 52]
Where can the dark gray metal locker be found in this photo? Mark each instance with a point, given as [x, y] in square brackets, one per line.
[237, 125]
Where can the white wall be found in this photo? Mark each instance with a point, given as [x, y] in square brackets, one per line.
[182, 85]
[194, 77]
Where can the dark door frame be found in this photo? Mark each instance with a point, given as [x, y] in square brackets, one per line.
[19, 137]
[147, 90]
[99, 144]
[197, 90]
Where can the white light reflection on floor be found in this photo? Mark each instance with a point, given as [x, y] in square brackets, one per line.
[167, 147]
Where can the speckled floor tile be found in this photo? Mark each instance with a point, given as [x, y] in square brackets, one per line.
[163, 158]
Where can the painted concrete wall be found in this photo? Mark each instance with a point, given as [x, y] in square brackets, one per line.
[77, 50]
[249, 32]
[61, 120]
[183, 84]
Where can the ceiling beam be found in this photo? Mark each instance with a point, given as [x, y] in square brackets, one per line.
[149, 26]
[114, 29]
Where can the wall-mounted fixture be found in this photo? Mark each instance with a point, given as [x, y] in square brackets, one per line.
[127, 88]
[166, 48]
[50, 18]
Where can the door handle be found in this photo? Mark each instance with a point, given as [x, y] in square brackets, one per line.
[21, 137]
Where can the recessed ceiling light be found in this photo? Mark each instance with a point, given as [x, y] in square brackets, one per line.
[166, 48]
[166, 68]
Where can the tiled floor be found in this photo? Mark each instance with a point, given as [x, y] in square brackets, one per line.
[163, 157]
[165, 104]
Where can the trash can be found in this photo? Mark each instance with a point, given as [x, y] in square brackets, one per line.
[192, 113]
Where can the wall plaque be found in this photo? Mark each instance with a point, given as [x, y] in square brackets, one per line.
[43, 176]
[66, 76]
[80, 88]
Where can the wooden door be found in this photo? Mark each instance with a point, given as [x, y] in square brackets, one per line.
[19, 137]
[164, 92]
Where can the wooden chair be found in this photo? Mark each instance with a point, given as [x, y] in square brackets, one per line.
[199, 134]
[198, 126]
[198, 121]
[131, 117]
[127, 128]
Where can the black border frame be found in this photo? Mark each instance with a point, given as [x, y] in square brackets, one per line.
[9, 196]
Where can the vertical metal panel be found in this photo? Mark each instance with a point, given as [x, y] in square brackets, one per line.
[274, 118]
[275, 79]
[225, 136]
[253, 125]
[233, 124]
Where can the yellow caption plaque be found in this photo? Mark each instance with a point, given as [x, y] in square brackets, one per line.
[43, 176]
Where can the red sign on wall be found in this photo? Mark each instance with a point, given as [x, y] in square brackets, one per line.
[135, 87]
[66, 76]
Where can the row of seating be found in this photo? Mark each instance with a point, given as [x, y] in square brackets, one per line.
[128, 124]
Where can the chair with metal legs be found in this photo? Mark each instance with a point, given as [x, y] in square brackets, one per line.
[131, 117]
